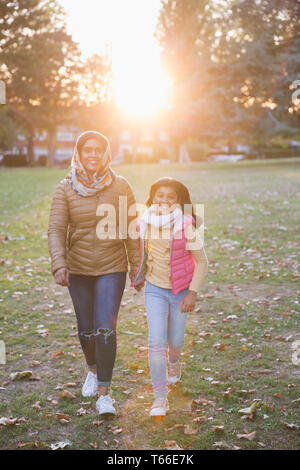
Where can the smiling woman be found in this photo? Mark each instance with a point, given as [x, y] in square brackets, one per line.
[139, 85]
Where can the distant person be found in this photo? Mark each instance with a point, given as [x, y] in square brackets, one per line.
[94, 269]
[174, 264]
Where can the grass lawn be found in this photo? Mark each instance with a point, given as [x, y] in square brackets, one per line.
[239, 342]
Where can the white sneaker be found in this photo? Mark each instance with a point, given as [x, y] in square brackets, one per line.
[90, 386]
[160, 407]
[174, 373]
[104, 405]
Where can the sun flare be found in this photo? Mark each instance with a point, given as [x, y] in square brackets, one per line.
[139, 86]
[140, 91]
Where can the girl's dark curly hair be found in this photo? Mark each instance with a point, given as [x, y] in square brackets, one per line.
[182, 192]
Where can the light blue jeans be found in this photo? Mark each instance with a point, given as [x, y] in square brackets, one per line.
[166, 327]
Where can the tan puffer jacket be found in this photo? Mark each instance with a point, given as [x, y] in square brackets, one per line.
[72, 237]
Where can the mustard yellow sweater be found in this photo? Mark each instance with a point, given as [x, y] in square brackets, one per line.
[158, 260]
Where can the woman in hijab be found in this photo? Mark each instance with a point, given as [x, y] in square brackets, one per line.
[90, 261]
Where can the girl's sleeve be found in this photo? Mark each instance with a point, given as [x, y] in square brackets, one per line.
[195, 245]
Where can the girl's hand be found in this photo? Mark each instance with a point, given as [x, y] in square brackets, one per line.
[188, 302]
[61, 277]
[139, 287]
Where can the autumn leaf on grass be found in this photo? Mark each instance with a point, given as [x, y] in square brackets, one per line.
[64, 421]
[23, 444]
[37, 406]
[61, 416]
[250, 410]
[20, 375]
[291, 425]
[200, 419]
[60, 445]
[70, 384]
[250, 436]
[227, 392]
[81, 412]
[221, 444]
[94, 445]
[43, 332]
[217, 428]
[172, 445]
[189, 430]
[66, 394]
[35, 363]
[11, 421]
[117, 431]
[219, 346]
[58, 353]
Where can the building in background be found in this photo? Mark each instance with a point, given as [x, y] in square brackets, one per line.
[148, 147]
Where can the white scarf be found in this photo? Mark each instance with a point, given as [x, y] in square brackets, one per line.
[163, 220]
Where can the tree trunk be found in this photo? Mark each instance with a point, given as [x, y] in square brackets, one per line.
[51, 147]
[30, 150]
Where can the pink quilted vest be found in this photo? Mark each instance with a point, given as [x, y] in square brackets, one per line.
[181, 261]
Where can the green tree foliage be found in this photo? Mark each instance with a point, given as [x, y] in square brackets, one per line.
[47, 81]
[228, 60]
[39, 64]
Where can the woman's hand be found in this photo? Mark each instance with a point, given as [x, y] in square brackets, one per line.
[188, 302]
[61, 277]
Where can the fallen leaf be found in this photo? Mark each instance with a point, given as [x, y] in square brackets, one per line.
[250, 436]
[81, 412]
[64, 421]
[171, 445]
[20, 375]
[58, 353]
[62, 416]
[66, 394]
[291, 425]
[189, 430]
[94, 445]
[219, 346]
[60, 445]
[221, 444]
[250, 410]
[200, 419]
[218, 428]
[35, 363]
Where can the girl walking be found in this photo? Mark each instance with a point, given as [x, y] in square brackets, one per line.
[173, 262]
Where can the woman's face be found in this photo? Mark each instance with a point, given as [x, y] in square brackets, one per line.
[165, 197]
[91, 154]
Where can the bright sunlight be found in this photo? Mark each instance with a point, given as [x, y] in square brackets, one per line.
[127, 29]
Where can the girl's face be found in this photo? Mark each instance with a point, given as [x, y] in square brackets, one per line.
[164, 198]
[91, 154]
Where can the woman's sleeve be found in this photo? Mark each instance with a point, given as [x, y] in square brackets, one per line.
[57, 229]
[132, 244]
[196, 246]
